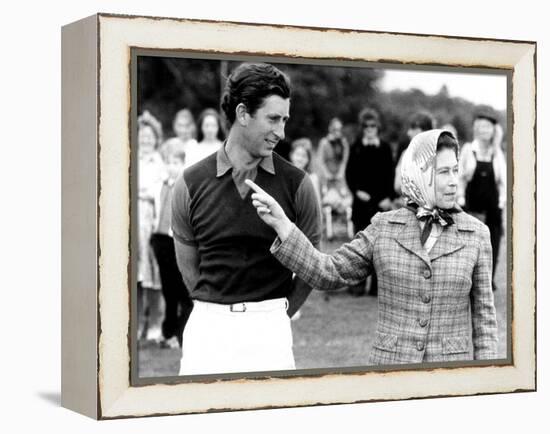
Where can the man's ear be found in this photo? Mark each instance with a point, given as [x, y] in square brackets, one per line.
[241, 115]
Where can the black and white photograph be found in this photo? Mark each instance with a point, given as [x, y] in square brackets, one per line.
[267, 216]
[275, 217]
[294, 217]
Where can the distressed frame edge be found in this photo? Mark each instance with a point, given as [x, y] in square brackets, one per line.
[316, 28]
[79, 138]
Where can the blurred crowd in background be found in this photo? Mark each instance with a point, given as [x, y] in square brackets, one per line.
[350, 146]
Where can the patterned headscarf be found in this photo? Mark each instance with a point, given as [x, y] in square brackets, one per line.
[418, 181]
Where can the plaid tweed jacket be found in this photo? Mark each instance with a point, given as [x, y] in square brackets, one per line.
[432, 307]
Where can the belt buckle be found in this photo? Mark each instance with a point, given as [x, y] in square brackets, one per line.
[238, 307]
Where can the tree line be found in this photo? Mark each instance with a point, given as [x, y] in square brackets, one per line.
[319, 93]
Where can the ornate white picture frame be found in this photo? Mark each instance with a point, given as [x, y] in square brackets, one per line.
[96, 247]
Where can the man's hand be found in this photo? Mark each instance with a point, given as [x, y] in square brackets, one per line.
[270, 211]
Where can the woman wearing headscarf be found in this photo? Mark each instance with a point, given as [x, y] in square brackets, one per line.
[433, 262]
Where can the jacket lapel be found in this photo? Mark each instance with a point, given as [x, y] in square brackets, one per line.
[448, 242]
[409, 237]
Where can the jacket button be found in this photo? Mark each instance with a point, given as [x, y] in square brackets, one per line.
[427, 274]
[419, 345]
[423, 322]
[426, 298]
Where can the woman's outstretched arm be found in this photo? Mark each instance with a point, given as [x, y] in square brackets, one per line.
[348, 265]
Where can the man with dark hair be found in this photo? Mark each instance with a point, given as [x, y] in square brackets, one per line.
[243, 297]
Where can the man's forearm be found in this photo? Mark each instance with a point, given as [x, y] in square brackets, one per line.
[298, 295]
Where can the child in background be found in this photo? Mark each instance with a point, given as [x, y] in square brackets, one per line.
[185, 129]
[178, 304]
[151, 171]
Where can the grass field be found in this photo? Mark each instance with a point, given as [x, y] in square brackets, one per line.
[333, 330]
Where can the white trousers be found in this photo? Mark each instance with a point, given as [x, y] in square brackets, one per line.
[244, 337]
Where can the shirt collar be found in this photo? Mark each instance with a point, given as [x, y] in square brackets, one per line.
[223, 164]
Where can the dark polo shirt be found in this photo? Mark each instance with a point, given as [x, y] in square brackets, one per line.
[212, 210]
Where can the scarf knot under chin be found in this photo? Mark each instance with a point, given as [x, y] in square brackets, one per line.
[430, 216]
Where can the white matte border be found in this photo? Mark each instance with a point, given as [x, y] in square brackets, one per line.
[117, 35]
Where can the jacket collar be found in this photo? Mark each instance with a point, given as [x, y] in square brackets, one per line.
[449, 241]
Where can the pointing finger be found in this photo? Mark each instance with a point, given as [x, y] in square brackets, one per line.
[263, 197]
[254, 186]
